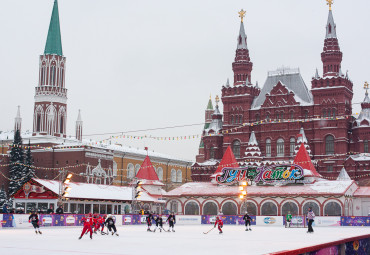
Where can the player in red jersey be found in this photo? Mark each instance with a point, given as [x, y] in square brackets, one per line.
[220, 224]
[95, 222]
[88, 224]
[101, 221]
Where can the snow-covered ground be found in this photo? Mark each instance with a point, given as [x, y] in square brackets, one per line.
[186, 240]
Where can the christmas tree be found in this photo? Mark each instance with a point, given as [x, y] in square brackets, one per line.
[28, 170]
[16, 164]
[3, 197]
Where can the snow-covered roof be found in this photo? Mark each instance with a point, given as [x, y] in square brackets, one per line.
[320, 187]
[343, 175]
[361, 157]
[252, 140]
[292, 81]
[331, 27]
[81, 190]
[362, 192]
[242, 38]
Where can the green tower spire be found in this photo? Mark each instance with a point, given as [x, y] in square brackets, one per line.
[210, 106]
[54, 40]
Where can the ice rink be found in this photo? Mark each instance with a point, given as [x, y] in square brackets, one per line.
[186, 240]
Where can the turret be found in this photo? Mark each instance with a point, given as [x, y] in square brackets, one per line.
[79, 123]
[18, 121]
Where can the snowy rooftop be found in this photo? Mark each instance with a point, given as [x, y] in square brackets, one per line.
[208, 189]
[96, 191]
[362, 192]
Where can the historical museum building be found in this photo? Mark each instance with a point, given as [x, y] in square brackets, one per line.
[90, 161]
[264, 124]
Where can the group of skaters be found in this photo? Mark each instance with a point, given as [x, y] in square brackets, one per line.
[310, 218]
[95, 223]
[171, 219]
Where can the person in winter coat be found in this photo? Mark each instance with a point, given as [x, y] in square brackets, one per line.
[34, 219]
[149, 221]
[171, 221]
[88, 224]
[158, 223]
[59, 210]
[220, 224]
[247, 220]
[288, 220]
[310, 217]
[5, 208]
[111, 225]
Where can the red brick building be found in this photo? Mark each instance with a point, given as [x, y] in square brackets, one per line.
[285, 107]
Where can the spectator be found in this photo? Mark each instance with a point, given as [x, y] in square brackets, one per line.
[59, 210]
[50, 210]
[5, 208]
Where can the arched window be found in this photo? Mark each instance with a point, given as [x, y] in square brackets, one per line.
[192, 208]
[229, 208]
[52, 75]
[291, 115]
[61, 77]
[332, 209]
[130, 171]
[42, 76]
[174, 205]
[212, 153]
[366, 146]
[236, 148]
[210, 208]
[269, 209]
[232, 119]
[173, 175]
[249, 207]
[267, 116]
[329, 145]
[241, 119]
[306, 114]
[289, 207]
[324, 113]
[292, 146]
[137, 168]
[179, 176]
[38, 122]
[160, 173]
[329, 113]
[313, 205]
[333, 112]
[61, 128]
[277, 116]
[268, 147]
[280, 147]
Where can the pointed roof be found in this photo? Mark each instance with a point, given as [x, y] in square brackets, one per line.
[247, 81]
[242, 38]
[228, 160]
[18, 112]
[252, 139]
[303, 159]
[146, 171]
[79, 119]
[54, 40]
[210, 105]
[317, 76]
[331, 30]
[343, 175]
[227, 83]
[302, 138]
[257, 84]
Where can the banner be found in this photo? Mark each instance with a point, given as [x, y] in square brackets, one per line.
[7, 220]
[227, 219]
[59, 220]
[20, 221]
[269, 220]
[356, 247]
[188, 219]
[327, 221]
[46, 220]
[355, 221]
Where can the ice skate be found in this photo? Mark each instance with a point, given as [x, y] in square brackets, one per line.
[80, 238]
[112, 233]
[91, 237]
[246, 230]
[250, 229]
[117, 234]
[40, 232]
[35, 231]
[173, 230]
[160, 230]
[220, 232]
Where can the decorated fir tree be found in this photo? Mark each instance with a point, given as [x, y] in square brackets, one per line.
[3, 197]
[16, 164]
[28, 170]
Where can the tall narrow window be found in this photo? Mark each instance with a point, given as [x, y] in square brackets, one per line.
[292, 146]
[232, 119]
[38, 123]
[306, 114]
[257, 117]
[212, 153]
[333, 113]
[280, 147]
[329, 145]
[291, 115]
[323, 113]
[366, 146]
[329, 114]
[61, 124]
[236, 148]
[268, 117]
[61, 77]
[268, 147]
[52, 76]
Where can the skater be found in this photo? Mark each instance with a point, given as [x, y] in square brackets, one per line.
[88, 225]
[171, 221]
[149, 221]
[219, 223]
[111, 225]
[34, 219]
[310, 217]
[158, 223]
[288, 219]
[101, 223]
[247, 220]
[95, 222]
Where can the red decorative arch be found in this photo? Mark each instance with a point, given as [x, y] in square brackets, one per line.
[287, 200]
[317, 201]
[195, 200]
[250, 200]
[269, 199]
[231, 199]
[331, 199]
[181, 204]
[210, 200]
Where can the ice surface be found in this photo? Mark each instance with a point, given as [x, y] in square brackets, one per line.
[186, 240]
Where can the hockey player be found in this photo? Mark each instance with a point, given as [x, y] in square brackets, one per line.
[95, 222]
[158, 223]
[310, 217]
[288, 220]
[88, 222]
[149, 221]
[34, 219]
[219, 223]
[247, 220]
[101, 223]
[111, 225]
[171, 221]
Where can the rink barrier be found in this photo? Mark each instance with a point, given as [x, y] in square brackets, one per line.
[53, 220]
[349, 246]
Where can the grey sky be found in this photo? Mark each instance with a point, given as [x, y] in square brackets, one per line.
[145, 64]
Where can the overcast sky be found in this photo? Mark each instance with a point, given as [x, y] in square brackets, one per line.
[135, 65]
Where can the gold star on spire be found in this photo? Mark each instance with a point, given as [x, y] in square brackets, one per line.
[366, 86]
[217, 100]
[242, 13]
[330, 3]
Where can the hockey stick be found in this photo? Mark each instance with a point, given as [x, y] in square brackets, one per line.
[209, 230]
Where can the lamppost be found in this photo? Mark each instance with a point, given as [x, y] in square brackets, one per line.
[136, 193]
[64, 179]
[242, 191]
